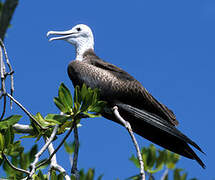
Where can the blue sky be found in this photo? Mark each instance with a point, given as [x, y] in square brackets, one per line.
[169, 46]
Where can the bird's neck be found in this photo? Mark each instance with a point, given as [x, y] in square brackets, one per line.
[81, 49]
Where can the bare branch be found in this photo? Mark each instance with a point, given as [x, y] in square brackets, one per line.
[21, 128]
[128, 127]
[3, 88]
[75, 159]
[64, 139]
[54, 165]
[14, 167]
[4, 107]
[11, 70]
[33, 165]
[25, 110]
[165, 174]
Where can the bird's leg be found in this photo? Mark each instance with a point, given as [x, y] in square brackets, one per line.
[128, 127]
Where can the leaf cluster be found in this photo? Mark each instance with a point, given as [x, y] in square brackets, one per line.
[7, 144]
[86, 104]
[155, 160]
[21, 160]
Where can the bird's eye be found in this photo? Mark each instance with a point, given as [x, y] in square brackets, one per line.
[78, 29]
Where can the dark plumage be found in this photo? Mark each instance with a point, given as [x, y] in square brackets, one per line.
[148, 117]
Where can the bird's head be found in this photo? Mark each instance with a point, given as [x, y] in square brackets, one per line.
[80, 36]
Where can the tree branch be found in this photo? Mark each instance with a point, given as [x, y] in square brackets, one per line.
[165, 174]
[10, 70]
[21, 128]
[33, 165]
[54, 165]
[128, 127]
[14, 167]
[75, 159]
[64, 139]
[25, 110]
[3, 88]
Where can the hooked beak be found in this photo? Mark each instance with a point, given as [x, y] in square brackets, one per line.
[63, 35]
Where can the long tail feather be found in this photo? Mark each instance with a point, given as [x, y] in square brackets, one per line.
[158, 131]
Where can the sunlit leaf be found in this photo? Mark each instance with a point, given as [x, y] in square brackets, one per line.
[91, 115]
[67, 95]
[5, 123]
[57, 117]
[60, 105]
[2, 141]
[135, 161]
[90, 174]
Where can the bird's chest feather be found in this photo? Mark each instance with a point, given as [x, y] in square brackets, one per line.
[95, 77]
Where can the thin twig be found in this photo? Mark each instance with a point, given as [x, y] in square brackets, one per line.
[64, 139]
[128, 127]
[14, 167]
[33, 165]
[54, 165]
[165, 174]
[75, 158]
[11, 70]
[25, 110]
[4, 107]
[3, 88]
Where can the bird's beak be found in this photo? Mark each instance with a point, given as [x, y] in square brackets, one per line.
[63, 35]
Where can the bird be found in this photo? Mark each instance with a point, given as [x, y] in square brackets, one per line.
[147, 116]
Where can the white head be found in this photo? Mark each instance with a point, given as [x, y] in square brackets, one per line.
[80, 36]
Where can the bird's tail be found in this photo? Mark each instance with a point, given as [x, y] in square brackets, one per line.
[158, 131]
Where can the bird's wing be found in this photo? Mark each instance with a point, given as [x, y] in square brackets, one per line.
[158, 131]
[152, 104]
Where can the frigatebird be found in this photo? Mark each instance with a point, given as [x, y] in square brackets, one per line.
[148, 117]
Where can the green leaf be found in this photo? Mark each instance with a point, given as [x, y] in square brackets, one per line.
[172, 159]
[40, 175]
[160, 160]
[177, 174]
[9, 171]
[65, 125]
[135, 161]
[15, 149]
[70, 148]
[91, 115]
[57, 117]
[53, 175]
[98, 107]
[60, 176]
[24, 161]
[5, 123]
[60, 105]
[8, 135]
[45, 122]
[2, 142]
[90, 174]
[77, 98]
[151, 156]
[33, 152]
[84, 91]
[67, 95]
[184, 176]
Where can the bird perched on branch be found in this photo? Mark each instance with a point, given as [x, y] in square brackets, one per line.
[148, 117]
